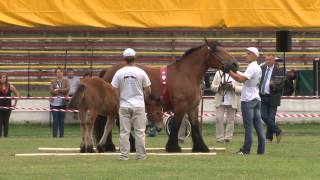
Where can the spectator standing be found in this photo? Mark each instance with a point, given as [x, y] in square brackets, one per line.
[132, 86]
[6, 90]
[271, 86]
[227, 101]
[73, 82]
[250, 101]
[59, 89]
[289, 83]
[73, 85]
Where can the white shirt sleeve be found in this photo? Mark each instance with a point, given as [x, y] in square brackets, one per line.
[146, 81]
[249, 72]
[115, 80]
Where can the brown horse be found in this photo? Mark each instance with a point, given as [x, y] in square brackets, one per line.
[95, 96]
[182, 89]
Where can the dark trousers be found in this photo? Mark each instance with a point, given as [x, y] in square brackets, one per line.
[4, 122]
[58, 121]
[268, 115]
[99, 125]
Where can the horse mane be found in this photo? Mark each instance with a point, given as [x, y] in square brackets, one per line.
[212, 44]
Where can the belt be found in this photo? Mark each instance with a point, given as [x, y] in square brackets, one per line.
[265, 95]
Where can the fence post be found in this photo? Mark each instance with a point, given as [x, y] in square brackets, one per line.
[28, 94]
[91, 58]
[65, 60]
[316, 74]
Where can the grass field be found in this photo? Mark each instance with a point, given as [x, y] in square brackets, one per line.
[296, 157]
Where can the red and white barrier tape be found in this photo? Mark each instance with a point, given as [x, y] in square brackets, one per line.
[279, 115]
[204, 97]
[206, 114]
[282, 97]
[37, 109]
[35, 97]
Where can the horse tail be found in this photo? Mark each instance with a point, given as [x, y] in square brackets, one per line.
[77, 97]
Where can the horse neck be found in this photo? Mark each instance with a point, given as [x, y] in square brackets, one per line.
[196, 64]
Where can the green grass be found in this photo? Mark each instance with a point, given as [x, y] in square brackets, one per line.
[296, 157]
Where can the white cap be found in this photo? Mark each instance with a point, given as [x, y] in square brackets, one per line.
[254, 50]
[129, 52]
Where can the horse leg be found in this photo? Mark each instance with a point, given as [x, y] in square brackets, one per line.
[109, 146]
[99, 125]
[197, 139]
[172, 144]
[82, 115]
[90, 121]
[106, 133]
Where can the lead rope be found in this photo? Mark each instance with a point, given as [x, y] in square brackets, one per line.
[223, 76]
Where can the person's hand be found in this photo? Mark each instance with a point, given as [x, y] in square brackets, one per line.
[230, 67]
[273, 85]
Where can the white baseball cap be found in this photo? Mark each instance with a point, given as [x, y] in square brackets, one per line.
[129, 52]
[254, 50]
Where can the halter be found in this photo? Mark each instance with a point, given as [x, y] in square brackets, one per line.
[211, 52]
[223, 75]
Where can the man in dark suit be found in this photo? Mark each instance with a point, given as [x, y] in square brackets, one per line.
[271, 86]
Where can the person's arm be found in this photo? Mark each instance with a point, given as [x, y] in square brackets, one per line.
[53, 91]
[238, 77]
[277, 83]
[117, 91]
[16, 93]
[146, 86]
[115, 85]
[65, 88]
[215, 82]
[147, 92]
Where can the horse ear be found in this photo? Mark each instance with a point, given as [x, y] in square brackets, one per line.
[207, 43]
[205, 40]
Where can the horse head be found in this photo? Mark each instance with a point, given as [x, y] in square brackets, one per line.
[154, 110]
[218, 57]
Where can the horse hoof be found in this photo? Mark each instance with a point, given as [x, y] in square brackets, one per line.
[110, 148]
[132, 149]
[173, 149]
[90, 149]
[200, 149]
[82, 149]
[100, 148]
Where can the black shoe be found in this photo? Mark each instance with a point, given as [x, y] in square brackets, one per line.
[268, 141]
[242, 153]
[227, 140]
[279, 136]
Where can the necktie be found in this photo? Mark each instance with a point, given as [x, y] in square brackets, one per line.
[265, 80]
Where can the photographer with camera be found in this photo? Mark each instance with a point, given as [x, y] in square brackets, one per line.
[227, 101]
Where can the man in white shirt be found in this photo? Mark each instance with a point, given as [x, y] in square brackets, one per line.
[250, 101]
[132, 86]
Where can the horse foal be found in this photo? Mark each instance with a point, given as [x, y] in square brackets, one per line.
[94, 96]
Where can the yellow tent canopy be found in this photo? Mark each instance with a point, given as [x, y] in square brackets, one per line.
[161, 13]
